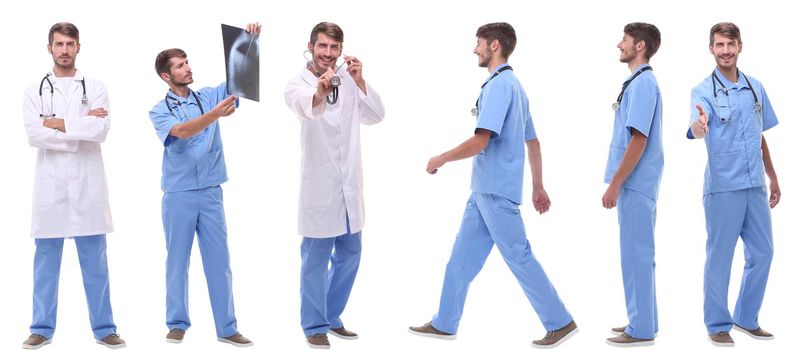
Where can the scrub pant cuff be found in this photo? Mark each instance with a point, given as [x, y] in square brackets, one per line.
[443, 328]
[719, 329]
[104, 333]
[335, 324]
[317, 330]
[48, 334]
[639, 335]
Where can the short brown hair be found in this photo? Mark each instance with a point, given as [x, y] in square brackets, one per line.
[330, 29]
[502, 32]
[728, 29]
[65, 28]
[163, 60]
[646, 32]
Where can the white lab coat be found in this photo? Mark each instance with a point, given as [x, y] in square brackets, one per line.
[70, 196]
[331, 165]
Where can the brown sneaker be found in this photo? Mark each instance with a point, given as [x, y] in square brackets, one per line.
[236, 339]
[625, 340]
[343, 333]
[428, 331]
[757, 333]
[112, 341]
[318, 341]
[721, 339]
[175, 336]
[618, 330]
[556, 337]
[35, 341]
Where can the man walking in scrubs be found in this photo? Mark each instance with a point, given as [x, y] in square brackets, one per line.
[504, 127]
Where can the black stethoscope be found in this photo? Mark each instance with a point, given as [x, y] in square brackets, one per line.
[52, 92]
[616, 104]
[722, 118]
[197, 101]
[475, 110]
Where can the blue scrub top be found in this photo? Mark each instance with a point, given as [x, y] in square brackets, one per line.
[504, 110]
[640, 109]
[197, 162]
[735, 161]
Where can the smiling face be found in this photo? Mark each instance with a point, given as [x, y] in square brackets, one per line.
[64, 49]
[325, 51]
[627, 49]
[483, 52]
[725, 50]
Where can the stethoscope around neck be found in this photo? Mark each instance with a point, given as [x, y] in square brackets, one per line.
[335, 80]
[194, 95]
[52, 92]
[715, 79]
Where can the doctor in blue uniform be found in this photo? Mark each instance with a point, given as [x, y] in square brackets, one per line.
[193, 168]
[633, 175]
[492, 218]
[731, 110]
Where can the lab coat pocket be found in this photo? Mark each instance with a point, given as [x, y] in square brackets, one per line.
[316, 194]
[97, 189]
[44, 191]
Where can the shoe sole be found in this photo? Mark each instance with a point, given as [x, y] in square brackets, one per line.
[745, 331]
[174, 341]
[721, 345]
[239, 345]
[343, 336]
[31, 347]
[561, 341]
[631, 345]
[313, 346]
[431, 335]
[110, 346]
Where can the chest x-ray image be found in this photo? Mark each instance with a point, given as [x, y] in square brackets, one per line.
[242, 62]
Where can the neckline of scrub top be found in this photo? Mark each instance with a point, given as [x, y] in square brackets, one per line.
[739, 84]
[497, 71]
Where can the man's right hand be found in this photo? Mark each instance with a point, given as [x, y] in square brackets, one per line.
[700, 126]
[324, 84]
[226, 107]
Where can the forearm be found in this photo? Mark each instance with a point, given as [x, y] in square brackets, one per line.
[193, 126]
[765, 153]
[633, 153]
[534, 156]
[467, 149]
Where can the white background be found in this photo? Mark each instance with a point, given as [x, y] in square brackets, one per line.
[418, 56]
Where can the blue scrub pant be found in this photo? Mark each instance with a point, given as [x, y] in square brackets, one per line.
[490, 219]
[183, 214]
[94, 268]
[728, 216]
[637, 214]
[327, 278]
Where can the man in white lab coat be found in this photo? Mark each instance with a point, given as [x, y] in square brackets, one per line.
[66, 118]
[331, 104]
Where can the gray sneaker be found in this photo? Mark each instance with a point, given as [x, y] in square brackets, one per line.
[112, 341]
[318, 341]
[556, 337]
[35, 341]
[757, 333]
[625, 340]
[175, 336]
[343, 333]
[721, 339]
[236, 339]
[428, 331]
